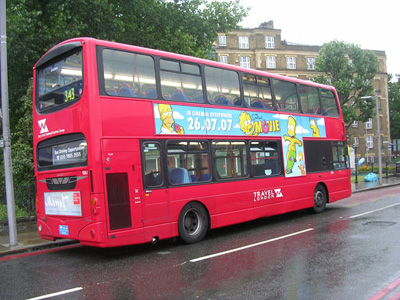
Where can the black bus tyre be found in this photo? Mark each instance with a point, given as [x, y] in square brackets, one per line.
[193, 223]
[320, 199]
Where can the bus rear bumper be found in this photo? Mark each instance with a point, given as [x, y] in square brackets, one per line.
[93, 234]
[45, 231]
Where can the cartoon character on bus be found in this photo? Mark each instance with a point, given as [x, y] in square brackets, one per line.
[246, 123]
[314, 127]
[291, 138]
[168, 123]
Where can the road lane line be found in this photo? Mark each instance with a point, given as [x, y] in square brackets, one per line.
[386, 290]
[57, 294]
[250, 246]
[372, 211]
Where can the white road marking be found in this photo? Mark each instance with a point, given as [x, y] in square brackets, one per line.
[372, 211]
[57, 294]
[250, 246]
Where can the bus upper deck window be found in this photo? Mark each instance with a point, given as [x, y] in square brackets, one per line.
[222, 86]
[60, 82]
[285, 95]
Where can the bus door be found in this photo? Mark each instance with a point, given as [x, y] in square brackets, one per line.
[156, 206]
[121, 162]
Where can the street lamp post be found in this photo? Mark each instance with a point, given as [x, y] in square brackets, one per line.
[378, 133]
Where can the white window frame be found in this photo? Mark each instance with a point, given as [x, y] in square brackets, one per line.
[310, 63]
[245, 62]
[269, 42]
[243, 42]
[369, 140]
[368, 125]
[356, 141]
[291, 62]
[222, 40]
[223, 59]
[270, 62]
[354, 124]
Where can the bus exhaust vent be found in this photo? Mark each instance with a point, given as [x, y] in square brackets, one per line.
[119, 206]
[62, 183]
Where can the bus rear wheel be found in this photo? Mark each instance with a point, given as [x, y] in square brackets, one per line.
[193, 223]
[320, 199]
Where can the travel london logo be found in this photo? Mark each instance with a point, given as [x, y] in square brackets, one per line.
[44, 130]
[43, 126]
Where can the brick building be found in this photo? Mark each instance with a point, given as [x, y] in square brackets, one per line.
[262, 48]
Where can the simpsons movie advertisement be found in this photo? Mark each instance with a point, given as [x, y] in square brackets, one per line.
[191, 120]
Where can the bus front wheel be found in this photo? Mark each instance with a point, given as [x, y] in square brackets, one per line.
[320, 199]
[193, 223]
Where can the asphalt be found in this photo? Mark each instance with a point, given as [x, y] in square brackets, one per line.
[29, 240]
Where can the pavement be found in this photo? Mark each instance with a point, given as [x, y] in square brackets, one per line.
[30, 241]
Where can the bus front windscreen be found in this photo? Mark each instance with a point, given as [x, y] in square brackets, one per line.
[59, 83]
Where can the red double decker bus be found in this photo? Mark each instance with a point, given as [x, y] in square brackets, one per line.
[133, 145]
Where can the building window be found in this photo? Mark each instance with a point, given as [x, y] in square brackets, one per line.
[222, 40]
[310, 63]
[223, 59]
[291, 62]
[356, 141]
[354, 124]
[245, 62]
[370, 141]
[243, 42]
[269, 42]
[368, 125]
[270, 62]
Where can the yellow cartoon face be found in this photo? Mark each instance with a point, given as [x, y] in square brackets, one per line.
[312, 123]
[166, 115]
[291, 130]
[246, 123]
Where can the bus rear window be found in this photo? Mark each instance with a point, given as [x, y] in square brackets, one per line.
[59, 83]
[62, 152]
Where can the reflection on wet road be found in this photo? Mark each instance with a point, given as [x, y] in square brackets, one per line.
[351, 251]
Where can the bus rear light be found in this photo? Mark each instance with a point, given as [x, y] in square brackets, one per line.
[40, 228]
[94, 201]
[95, 207]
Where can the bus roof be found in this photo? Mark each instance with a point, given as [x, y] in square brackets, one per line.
[70, 44]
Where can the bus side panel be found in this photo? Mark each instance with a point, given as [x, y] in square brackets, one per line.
[335, 129]
[225, 204]
[339, 185]
[131, 118]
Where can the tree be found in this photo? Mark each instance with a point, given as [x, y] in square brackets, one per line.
[182, 26]
[350, 70]
[394, 108]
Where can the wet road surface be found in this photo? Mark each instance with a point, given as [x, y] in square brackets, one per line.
[351, 251]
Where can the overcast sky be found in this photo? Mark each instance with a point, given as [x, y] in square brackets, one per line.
[369, 24]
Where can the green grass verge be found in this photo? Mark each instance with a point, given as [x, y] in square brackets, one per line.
[19, 213]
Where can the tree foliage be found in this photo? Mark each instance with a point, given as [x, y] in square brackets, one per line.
[34, 26]
[394, 108]
[351, 71]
